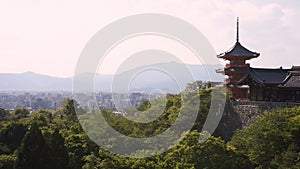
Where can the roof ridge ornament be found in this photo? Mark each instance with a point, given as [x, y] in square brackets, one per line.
[237, 29]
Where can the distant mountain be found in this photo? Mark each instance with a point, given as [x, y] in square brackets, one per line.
[169, 77]
[33, 81]
[139, 78]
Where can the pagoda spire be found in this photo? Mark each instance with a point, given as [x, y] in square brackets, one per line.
[237, 29]
[238, 50]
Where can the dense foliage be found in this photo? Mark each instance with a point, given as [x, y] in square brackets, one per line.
[55, 139]
[273, 141]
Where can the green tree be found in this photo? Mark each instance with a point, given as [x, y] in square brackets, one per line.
[7, 161]
[11, 136]
[41, 118]
[33, 152]
[78, 146]
[71, 108]
[273, 141]
[190, 153]
[110, 161]
[20, 113]
[58, 154]
[4, 115]
[91, 162]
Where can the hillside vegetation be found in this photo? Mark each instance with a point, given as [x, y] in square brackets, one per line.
[55, 139]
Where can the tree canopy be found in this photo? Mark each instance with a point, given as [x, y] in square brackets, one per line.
[56, 139]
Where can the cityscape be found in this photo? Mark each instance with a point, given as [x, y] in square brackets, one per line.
[52, 100]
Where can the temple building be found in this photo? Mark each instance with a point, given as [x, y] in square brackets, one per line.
[258, 84]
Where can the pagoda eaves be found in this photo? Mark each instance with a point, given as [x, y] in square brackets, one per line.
[238, 50]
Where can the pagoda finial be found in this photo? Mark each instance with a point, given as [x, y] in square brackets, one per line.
[237, 29]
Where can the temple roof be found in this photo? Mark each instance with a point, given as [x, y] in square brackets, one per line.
[266, 76]
[296, 68]
[292, 80]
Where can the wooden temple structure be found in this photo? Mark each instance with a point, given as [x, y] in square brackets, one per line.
[258, 84]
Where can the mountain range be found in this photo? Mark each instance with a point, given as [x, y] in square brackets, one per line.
[165, 76]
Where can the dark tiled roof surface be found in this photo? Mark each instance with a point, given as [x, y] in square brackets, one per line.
[296, 68]
[292, 80]
[239, 50]
[267, 76]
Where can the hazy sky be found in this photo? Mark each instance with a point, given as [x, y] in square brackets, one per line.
[47, 36]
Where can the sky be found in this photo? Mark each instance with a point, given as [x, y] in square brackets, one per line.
[47, 37]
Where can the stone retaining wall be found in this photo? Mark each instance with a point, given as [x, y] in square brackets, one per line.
[248, 111]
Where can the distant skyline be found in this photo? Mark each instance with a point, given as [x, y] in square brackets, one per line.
[47, 36]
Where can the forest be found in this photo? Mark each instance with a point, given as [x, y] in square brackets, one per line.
[48, 139]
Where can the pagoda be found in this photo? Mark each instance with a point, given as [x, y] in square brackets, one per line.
[237, 67]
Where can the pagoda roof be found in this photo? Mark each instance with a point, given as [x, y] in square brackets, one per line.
[239, 50]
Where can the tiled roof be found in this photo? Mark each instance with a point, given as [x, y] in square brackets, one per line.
[239, 50]
[267, 76]
[292, 80]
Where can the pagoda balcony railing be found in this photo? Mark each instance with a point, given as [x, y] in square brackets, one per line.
[232, 72]
[236, 65]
